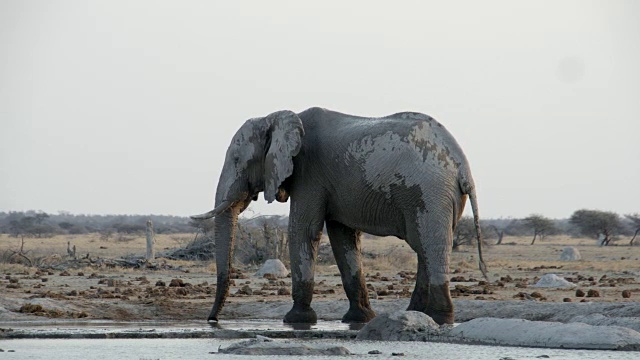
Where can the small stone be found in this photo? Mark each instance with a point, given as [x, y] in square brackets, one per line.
[65, 273]
[399, 326]
[182, 291]
[284, 291]
[30, 308]
[580, 293]
[567, 300]
[176, 283]
[553, 281]
[626, 294]
[397, 354]
[570, 253]
[274, 267]
[374, 352]
[80, 273]
[245, 290]
[160, 283]
[536, 294]
[593, 293]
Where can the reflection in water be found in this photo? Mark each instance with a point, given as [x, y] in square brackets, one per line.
[247, 325]
[215, 325]
[298, 326]
[275, 325]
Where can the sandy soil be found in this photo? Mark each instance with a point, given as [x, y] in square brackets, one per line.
[173, 290]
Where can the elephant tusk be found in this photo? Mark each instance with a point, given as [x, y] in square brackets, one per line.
[215, 212]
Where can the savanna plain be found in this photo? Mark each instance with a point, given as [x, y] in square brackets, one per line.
[109, 280]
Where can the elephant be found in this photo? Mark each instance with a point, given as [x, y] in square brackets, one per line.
[401, 175]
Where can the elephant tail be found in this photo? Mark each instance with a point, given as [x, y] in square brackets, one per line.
[469, 188]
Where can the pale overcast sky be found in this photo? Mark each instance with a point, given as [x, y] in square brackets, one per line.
[127, 107]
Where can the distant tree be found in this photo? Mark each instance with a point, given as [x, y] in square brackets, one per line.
[595, 223]
[499, 233]
[40, 217]
[464, 233]
[130, 228]
[501, 228]
[635, 223]
[65, 225]
[540, 225]
[23, 226]
[39, 223]
[203, 226]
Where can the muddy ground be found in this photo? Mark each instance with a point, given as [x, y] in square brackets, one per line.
[100, 287]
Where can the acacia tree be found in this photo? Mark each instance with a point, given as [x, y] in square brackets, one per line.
[595, 223]
[464, 233]
[540, 225]
[502, 228]
[635, 223]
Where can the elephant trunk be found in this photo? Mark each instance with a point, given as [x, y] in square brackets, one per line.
[225, 233]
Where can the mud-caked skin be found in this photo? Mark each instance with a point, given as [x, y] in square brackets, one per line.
[402, 175]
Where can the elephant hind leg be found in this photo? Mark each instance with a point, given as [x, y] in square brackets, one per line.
[432, 239]
[345, 243]
[420, 295]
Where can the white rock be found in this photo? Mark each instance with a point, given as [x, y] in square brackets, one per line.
[517, 332]
[274, 267]
[399, 326]
[602, 320]
[271, 347]
[553, 281]
[570, 253]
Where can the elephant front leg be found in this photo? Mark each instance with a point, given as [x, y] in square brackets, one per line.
[345, 243]
[303, 250]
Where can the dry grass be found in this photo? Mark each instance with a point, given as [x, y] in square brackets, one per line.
[6, 268]
[387, 254]
[92, 244]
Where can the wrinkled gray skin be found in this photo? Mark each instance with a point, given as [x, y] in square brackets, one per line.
[402, 175]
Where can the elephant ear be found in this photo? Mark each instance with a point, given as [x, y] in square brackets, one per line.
[285, 128]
